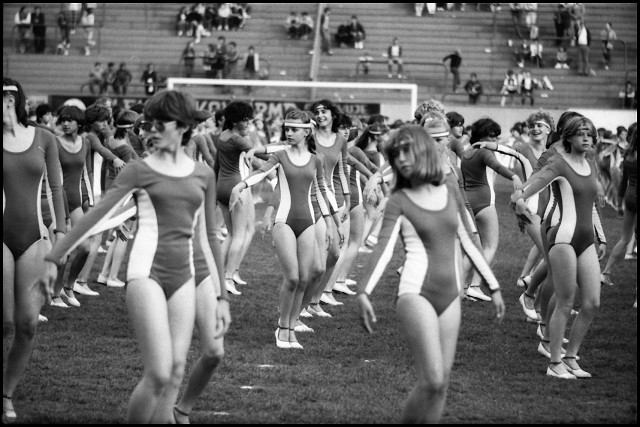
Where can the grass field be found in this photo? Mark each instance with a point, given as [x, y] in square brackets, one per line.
[86, 362]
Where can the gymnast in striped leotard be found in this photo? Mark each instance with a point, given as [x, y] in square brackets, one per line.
[424, 213]
[332, 149]
[478, 170]
[29, 155]
[169, 189]
[299, 171]
[573, 259]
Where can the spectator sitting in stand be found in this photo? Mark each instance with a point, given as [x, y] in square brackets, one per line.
[150, 79]
[224, 12]
[238, 17]
[527, 86]
[510, 88]
[357, 34]
[182, 25]
[122, 79]
[292, 25]
[306, 26]
[562, 58]
[108, 77]
[343, 35]
[364, 62]
[473, 87]
[96, 78]
[629, 95]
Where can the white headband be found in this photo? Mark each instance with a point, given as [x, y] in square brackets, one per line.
[124, 126]
[10, 88]
[298, 125]
[439, 134]
[541, 122]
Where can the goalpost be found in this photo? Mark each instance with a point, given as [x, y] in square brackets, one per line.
[395, 100]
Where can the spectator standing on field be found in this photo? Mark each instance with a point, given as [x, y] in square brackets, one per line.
[64, 28]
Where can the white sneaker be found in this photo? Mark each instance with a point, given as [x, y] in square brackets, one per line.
[350, 282]
[543, 350]
[69, 299]
[301, 327]
[317, 310]
[101, 279]
[364, 249]
[528, 309]
[231, 287]
[523, 282]
[84, 289]
[58, 302]
[236, 278]
[328, 298]
[42, 319]
[562, 372]
[115, 283]
[305, 313]
[343, 288]
[476, 293]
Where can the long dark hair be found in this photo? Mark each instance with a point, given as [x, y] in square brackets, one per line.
[21, 99]
[335, 111]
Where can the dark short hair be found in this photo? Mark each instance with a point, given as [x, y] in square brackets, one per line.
[454, 119]
[484, 128]
[169, 105]
[42, 110]
[236, 112]
[96, 113]
[71, 112]
[562, 121]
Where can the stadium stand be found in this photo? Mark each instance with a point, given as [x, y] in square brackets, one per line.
[139, 33]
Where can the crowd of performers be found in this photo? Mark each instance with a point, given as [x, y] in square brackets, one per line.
[175, 187]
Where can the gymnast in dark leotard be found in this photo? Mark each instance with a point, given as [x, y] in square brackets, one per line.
[298, 170]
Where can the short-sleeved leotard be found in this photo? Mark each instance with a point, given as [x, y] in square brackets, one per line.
[574, 195]
[230, 146]
[167, 208]
[23, 176]
[430, 241]
[479, 167]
